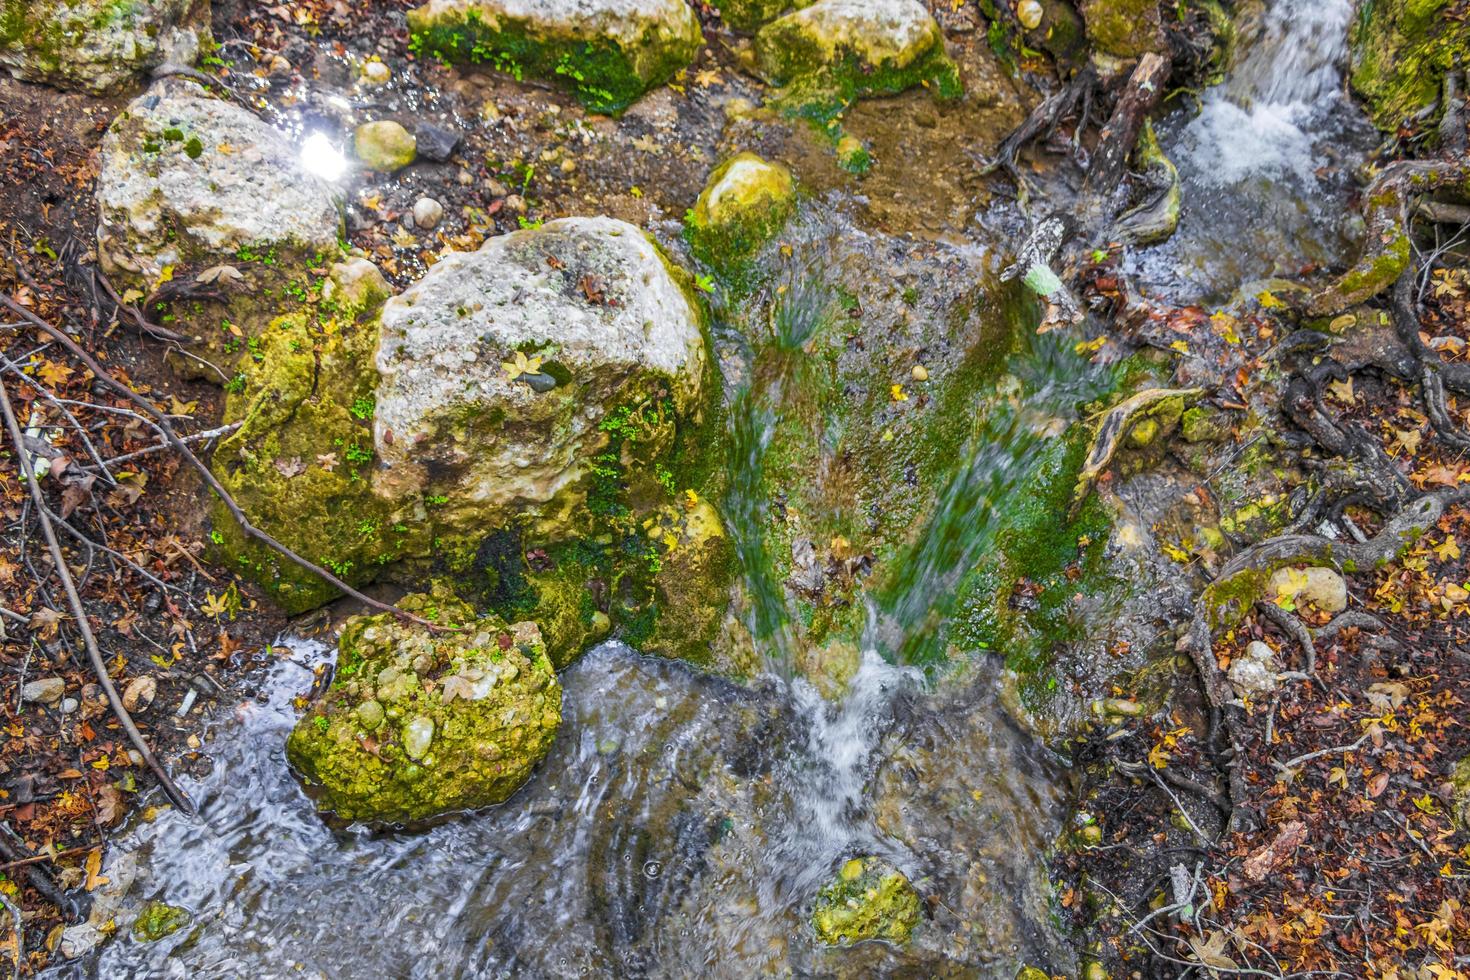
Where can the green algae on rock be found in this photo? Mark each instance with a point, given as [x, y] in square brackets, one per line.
[1401, 51]
[608, 52]
[1123, 29]
[298, 466]
[828, 54]
[746, 201]
[99, 46]
[419, 724]
[384, 146]
[159, 920]
[747, 15]
[868, 899]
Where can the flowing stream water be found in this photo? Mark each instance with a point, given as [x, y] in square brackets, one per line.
[682, 823]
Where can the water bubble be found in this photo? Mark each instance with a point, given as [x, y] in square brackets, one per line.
[652, 869]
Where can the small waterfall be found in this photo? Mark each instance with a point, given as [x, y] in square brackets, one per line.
[1262, 121]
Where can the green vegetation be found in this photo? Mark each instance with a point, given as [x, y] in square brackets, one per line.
[869, 899]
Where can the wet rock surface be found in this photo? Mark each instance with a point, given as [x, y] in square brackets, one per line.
[419, 724]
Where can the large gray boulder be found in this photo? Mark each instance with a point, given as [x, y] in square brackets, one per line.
[504, 372]
[188, 178]
[99, 45]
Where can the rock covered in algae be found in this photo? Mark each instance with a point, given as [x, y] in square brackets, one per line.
[300, 463]
[869, 899]
[186, 177]
[834, 51]
[1124, 29]
[745, 202]
[506, 373]
[99, 45]
[608, 52]
[159, 920]
[747, 15]
[419, 724]
[384, 145]
[1401, 52]
[1460, 794]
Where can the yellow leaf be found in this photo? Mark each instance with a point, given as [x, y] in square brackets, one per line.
[164, 276]
[1268, 301]
[95, 878]
[691, 499]
[1180, 346]
[898, 394]
[1448, 550]
[102, 764]
[1342, 390]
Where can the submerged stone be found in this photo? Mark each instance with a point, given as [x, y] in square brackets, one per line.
[608, 52]
[589, 301]
[869, 899]
[834, 51]
[746, 201]
[159, 920]
[469, 712]
[99, 46]
[186, 177]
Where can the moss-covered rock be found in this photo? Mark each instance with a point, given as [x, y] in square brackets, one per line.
[299, 466]
[868, 899]
[159, 920]
[99, 46]
[826, 55]
[747, 15]
[1124, 29]
[1401, 50]
[608, 52]
[746, 201]
[384, 145]
[1460, 794]
[418, 723]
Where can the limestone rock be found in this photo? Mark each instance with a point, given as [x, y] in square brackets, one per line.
[458, 719]
[45, 690]
[384, 146]
[608, 52]
[1123, 29]
[185, 177]
[503, 372]
[1322, 587]
[1254, 672]
[746, 201]
[427, 212]
[834, 51]
[99, 46]
[869, 899]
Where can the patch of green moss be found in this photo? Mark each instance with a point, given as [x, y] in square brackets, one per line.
[418, 724]
[300, 464]
[868, 899]
[743, 205]
[1124, 29]
[1401, 51]
[159, 920]
[605, 75]
[747, 15]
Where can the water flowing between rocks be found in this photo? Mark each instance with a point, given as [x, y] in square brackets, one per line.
[682, 823]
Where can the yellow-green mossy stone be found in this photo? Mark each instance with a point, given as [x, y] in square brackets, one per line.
[384, 146]
[608, 52]
[834, 51]
[1123, 29]
[1401, 50]
[746, 201]
[159, 920]
[418, 723]
[869, 899]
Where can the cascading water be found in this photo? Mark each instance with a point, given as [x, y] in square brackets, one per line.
[1266, 160]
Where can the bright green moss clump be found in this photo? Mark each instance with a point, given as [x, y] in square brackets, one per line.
[299, 465]
[745, 203]
[1401, 52]
[869, 899]
[419, 724]
[159, 920]
[834, 52]
[606, 67]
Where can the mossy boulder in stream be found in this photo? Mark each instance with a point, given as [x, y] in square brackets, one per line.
[299, 465]
[418, 724]
[834, 51]
[746, 201]
[608, 52]
[869, 899]
[1123, 29]
[1401, 51]
[99, 46]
